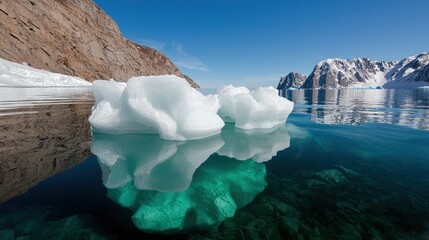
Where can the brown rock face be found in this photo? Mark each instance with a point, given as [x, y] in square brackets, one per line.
[75, 37]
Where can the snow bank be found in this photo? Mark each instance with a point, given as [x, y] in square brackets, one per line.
[15, 74]
[166, 105]
[261, 108]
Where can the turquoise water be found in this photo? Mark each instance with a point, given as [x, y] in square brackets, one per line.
[349, 164]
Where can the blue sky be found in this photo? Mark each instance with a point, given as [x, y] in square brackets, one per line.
[254, 42]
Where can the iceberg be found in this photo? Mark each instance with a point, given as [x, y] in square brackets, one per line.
[164, 105]
[168, 106]
[15, 74]
[261, 145]
[261, 108]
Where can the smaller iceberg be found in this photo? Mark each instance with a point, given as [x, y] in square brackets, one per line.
[261, 108]
[164, 105]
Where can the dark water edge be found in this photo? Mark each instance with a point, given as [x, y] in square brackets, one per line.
[335, 181]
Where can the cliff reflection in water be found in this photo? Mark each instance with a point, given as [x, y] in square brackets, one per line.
[406, 107]
[40, 140]
[174, 186]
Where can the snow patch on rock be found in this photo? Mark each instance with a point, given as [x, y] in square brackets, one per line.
[21, 75]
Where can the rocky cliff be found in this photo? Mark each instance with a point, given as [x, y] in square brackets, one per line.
[409, 72]
[75, 37]
[292, 80]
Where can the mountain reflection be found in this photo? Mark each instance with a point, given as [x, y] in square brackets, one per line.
[407, 107]
[176, 186]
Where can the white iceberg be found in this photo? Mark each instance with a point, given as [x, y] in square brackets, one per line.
[261, 108]
[15, 74]
[166, 105]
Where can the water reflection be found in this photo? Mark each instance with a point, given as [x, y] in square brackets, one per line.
[39, 141]
[407, 107]
[16, 98]
[258, 144]
[174, 186]
[146, 160]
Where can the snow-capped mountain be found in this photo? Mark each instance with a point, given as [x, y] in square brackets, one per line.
[410, 72]
[292, 80]
[359, 72]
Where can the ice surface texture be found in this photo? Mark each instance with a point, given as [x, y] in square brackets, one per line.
[261, 108]
[15, 74]
[168, 106]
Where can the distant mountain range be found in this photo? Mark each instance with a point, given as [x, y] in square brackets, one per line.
[410, 72]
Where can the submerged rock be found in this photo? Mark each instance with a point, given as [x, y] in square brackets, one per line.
[7, 234]
[38, 223]
[345, 205]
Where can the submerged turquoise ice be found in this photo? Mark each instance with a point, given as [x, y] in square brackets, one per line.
[175, 186]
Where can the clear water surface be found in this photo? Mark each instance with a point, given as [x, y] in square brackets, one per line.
[348, 164]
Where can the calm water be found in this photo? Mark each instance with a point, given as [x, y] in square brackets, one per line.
[349, 164]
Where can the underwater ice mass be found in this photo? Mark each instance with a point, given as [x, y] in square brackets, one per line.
[167, 105]
[202, 188]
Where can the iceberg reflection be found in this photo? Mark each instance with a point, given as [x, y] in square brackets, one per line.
[176, 186]
[258, 144]
[146, 160]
